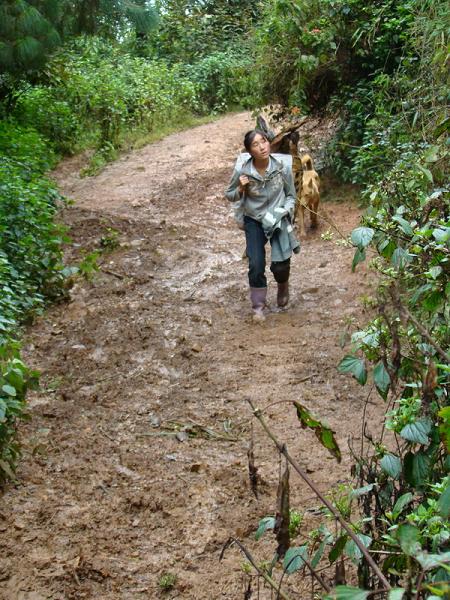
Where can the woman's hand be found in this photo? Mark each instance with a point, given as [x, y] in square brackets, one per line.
[243, 182]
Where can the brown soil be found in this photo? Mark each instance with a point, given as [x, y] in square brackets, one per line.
[109, 498]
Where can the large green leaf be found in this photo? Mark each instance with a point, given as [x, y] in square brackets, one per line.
[442, 127]
[318, 554]
[359, 257]
[355, 366]
[434, 272]
[324, 434]
[391, 465]
[8, 389]
[417, 432]
[346, 592]
[433, 301]
[417, 468]
[428, 174]
[441, 235]
[362, 236]
[264, 525]
[405, 226]
[338, 548]
[400, 258]
[444, 427]
[408, 537]
[362, 490]
[352, 550]
[431, 561]
[403, 501]
[381, 379]
[444, 503]
[396, 594]
[294, 559]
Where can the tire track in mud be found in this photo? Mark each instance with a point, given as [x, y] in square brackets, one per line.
[109, 497]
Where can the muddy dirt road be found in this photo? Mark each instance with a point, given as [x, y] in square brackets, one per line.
[135, 459]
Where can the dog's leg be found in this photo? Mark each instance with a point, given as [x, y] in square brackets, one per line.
[313, 214]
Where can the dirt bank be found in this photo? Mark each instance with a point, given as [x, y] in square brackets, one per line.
[160, 340]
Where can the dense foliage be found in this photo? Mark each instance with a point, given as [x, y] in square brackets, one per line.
[403, 162]
[191, 29]
[94, 92]
[30, 264]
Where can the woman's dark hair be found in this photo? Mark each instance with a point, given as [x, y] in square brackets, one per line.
[250, 136]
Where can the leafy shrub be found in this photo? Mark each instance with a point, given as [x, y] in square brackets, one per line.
[31, 270]
[52, 117]
[110, 91]
[393, 141]
[391, 116]
[30, 240]
[25, 149]
[15, 380]
[307, 51]
[223, 79]
[190, 31]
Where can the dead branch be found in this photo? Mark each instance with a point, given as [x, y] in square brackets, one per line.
[282, 449]
[281, 528]
[113, 273]
[252, 468]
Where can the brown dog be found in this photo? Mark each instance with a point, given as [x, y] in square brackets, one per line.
[308, 195]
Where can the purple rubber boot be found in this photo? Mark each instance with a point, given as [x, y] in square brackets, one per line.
[258, 300]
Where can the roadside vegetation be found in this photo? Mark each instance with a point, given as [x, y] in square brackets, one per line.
[79, 76]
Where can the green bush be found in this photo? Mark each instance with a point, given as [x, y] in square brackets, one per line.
[223, 79]
[15, 380]
[29, 237]
[111, 92]
[309, 50]
[31, 269]
[30, 241]
[39, 107]
[395, 144]
[25, 149]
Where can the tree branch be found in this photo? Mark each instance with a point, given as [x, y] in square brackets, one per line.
[420, 328]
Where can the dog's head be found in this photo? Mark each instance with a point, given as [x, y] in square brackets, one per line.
[307, 163]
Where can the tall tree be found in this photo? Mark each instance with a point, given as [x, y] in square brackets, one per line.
[113, 18]
[190, 29]
[27, 34]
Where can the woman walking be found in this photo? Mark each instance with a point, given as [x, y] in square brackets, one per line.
[264, 188]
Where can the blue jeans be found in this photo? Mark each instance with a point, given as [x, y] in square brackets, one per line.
[256, 241]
